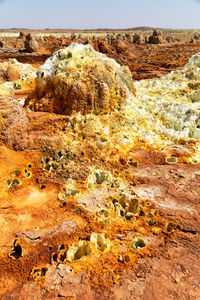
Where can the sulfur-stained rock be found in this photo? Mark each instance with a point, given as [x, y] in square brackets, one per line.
[78, 78]
[13, 124]
[12, 70]
[21, 75]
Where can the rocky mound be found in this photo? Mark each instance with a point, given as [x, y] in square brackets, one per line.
[78, 78]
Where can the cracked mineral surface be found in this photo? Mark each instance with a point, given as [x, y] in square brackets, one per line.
[100, 180]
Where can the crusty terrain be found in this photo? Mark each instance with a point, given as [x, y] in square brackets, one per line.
[144, 59]
[102, 205]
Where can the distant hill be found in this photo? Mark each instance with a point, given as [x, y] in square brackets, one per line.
[141, 28]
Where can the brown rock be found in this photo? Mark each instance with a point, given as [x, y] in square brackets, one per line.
[31, 44]
[156, 38]
[170, 39]
[121, 46]
[22, 35]
[157, 32]
[138, 39]
[67, 285]
[103, 47]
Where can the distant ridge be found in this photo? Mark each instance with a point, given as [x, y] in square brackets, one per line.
[140, 28]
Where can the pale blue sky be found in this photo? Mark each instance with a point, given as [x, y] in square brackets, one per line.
[99, 14]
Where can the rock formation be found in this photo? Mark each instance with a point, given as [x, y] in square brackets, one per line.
[103, 47]
[156, 37]
[138, 39]
[31, 44]
[80, 79]
[22, 35]
[21, 75]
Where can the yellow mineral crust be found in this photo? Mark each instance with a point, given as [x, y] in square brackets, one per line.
[20, 77]
[169, 106]
[6, 89]
[78, 78]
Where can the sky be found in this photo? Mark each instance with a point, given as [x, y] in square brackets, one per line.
[86, 14]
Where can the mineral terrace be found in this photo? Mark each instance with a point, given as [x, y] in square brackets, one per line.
[100, 176]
